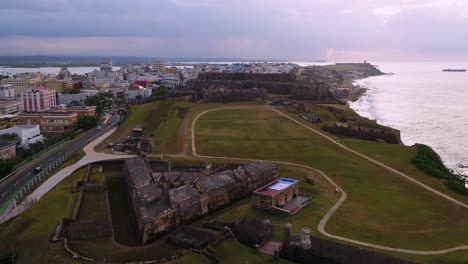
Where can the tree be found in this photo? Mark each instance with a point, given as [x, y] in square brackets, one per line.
[102, 101]
[161, 91]
[86, 122]
[6, 167]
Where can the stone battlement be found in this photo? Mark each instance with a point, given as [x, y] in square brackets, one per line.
[163, 201]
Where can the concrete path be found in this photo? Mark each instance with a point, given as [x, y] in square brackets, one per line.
[328, 215]
[90, 156]
[51, 182]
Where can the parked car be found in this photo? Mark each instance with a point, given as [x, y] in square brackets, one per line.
[37, 169]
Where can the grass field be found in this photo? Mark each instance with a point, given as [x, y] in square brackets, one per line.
[29, 232]
[149, 116]
[381, 208]
[94, 204]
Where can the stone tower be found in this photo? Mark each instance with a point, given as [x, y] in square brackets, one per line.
[305, 238]
[287, 234]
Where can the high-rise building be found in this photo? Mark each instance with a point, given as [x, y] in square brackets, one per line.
[157, 66]
[7, 91]
[106, 66]
[64, 74]
[38, 99]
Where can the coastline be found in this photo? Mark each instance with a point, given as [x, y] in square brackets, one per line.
[360, 91]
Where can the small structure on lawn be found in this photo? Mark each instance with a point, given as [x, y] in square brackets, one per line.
[136, 133]
[282, 196]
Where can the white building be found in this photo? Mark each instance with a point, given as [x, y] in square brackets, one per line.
[79, 98]
[137, 90]
[170, 80]
[28, 134]
[7, 91]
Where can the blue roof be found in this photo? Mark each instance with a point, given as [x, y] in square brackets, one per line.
[282, 184]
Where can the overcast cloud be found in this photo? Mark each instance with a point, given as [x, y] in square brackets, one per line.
[256, 29]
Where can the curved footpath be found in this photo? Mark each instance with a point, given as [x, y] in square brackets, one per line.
[328, 215]
[51, 182]
[90, 157]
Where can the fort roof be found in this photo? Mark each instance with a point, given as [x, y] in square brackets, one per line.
[153, 209]
[216, 181]
[139, 172]
[259, 168]
[182, 194]
[149, 193]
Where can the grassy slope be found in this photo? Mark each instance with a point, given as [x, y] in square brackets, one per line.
[149, 116]
[386, 154]
[94, 204]
[233, 252]
[382, 208]
[30, 231]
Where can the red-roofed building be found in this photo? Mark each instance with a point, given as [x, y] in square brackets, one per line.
[38, 99]
[136, 91]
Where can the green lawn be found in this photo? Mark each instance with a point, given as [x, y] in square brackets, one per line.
[381, 208]
[94, 204]
[148, 116]
[233, 252]
[29, 232]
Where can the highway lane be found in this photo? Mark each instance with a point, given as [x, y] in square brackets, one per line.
[23, 175]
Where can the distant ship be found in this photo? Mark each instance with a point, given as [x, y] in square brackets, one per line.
[454, 70]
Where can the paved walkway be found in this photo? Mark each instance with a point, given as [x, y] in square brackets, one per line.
[51, 182]
[328, 215]
[90, 156]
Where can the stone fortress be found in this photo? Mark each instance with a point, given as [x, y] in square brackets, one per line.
[274, 83]
[165, 200]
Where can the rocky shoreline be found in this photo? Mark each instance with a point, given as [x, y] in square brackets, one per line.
[359, 91]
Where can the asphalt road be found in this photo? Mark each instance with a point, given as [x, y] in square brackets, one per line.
[9, 186]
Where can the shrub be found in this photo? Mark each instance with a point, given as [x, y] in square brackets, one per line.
[429, 161]
[457, 186]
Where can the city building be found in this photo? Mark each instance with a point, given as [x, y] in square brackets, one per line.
[76, 99]
[51, 123]
[170, 80]
[21, 84]
[7, 91]
[281, 196]
[10, 105]
[7, 121]
[38, 99]
[106, 66]
[7, 149]
[157, 66]
[136, 91]
[89, 83]
[83, 110]
[58, 85]
[28, 134]
[64, 74]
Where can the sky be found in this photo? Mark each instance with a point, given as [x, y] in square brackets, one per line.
[297, 30]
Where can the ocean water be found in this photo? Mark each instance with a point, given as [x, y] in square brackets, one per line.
[427, 105]
[50, 70]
